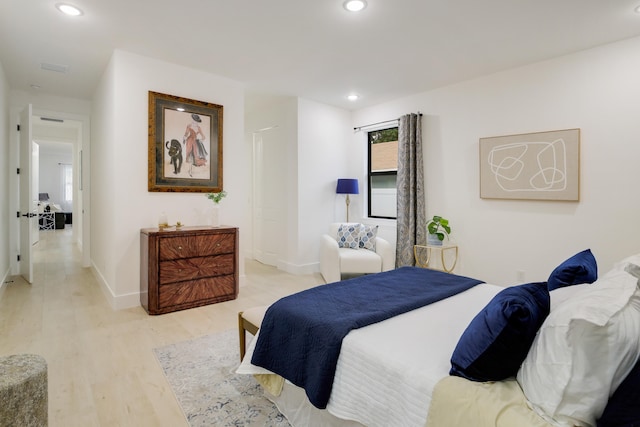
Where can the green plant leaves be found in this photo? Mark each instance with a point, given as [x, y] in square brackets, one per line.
[216, 197]
[437, 223]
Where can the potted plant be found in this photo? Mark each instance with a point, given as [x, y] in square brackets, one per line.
[437, 228]
[216, 198]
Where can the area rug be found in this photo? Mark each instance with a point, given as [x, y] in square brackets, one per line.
[201, 373]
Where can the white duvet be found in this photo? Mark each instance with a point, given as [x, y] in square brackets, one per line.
[386, 372]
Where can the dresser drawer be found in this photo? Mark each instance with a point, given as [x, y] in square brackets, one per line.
[177, 247]
[213, 289]
[194, 268]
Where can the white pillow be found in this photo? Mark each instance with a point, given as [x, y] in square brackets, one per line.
[559, 295]
[583, 351]
[633, 259]
[349, 236]
[368, 234]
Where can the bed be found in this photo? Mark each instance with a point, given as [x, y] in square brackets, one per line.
[415, 369]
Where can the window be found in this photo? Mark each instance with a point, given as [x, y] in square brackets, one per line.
[67, 182]
[382, 172]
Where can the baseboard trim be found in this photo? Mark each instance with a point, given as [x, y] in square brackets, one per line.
[117, 302]
[299, 269]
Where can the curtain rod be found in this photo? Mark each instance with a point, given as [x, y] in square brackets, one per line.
[359, 128]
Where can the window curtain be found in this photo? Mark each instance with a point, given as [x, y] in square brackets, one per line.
[411, 221]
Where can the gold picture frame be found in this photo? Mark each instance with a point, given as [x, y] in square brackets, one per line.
[531, 166]
[185, 145]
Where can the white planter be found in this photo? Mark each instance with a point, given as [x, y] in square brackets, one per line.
[432, 239]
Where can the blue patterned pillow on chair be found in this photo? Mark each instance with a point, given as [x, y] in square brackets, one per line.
[368, 235]
[349, 236]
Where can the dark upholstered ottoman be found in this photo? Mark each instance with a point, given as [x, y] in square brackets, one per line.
[23, 390]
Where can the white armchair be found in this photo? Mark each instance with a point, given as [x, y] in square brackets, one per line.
[335, 261]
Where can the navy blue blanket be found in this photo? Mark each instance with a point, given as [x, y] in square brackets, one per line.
[301, 335]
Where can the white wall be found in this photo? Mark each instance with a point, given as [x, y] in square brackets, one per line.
[103, 167]
[49, 103]
[4, 178]
[121, 204]
[597, 91]
[49, 179]
[325, 147]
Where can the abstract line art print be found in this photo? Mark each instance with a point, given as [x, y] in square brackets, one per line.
[533, 166]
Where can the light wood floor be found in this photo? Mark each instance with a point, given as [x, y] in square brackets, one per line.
[101, 368]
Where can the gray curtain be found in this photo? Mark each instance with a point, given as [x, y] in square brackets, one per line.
[410, 184]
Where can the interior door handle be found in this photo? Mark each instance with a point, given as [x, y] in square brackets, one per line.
[29, 215]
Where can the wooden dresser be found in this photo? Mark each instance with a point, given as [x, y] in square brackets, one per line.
[187, 268]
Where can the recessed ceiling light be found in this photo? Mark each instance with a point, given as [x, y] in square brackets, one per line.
[354, 5]
[353, 97]
[68, 9]
[637, 9]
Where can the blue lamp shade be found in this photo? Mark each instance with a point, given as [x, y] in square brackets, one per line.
[347, 186]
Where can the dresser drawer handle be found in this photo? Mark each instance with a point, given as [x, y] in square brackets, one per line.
[179, 248]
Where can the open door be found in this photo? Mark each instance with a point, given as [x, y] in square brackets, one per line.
[28, 204]
[269, 180]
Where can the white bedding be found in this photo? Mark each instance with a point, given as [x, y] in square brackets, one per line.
[386, 372]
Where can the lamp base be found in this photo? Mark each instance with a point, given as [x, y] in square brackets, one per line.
[347, 201]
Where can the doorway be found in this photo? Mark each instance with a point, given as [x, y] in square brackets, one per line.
[269, 190]
[60, 142]
[72, 132]
[55, 184]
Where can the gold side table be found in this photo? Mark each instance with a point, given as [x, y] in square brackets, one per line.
[423, 255]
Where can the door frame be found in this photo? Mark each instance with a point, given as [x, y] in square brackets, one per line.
[84, 168]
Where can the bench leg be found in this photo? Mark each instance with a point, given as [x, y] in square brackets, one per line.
[242, 337]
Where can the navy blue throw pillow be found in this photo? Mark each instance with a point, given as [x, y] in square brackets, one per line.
[580, 268]
[497, 340]
[623, 408]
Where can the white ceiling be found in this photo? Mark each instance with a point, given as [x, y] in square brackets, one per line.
[309, 48]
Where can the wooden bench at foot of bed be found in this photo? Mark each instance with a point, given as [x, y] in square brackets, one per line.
[249, 321]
